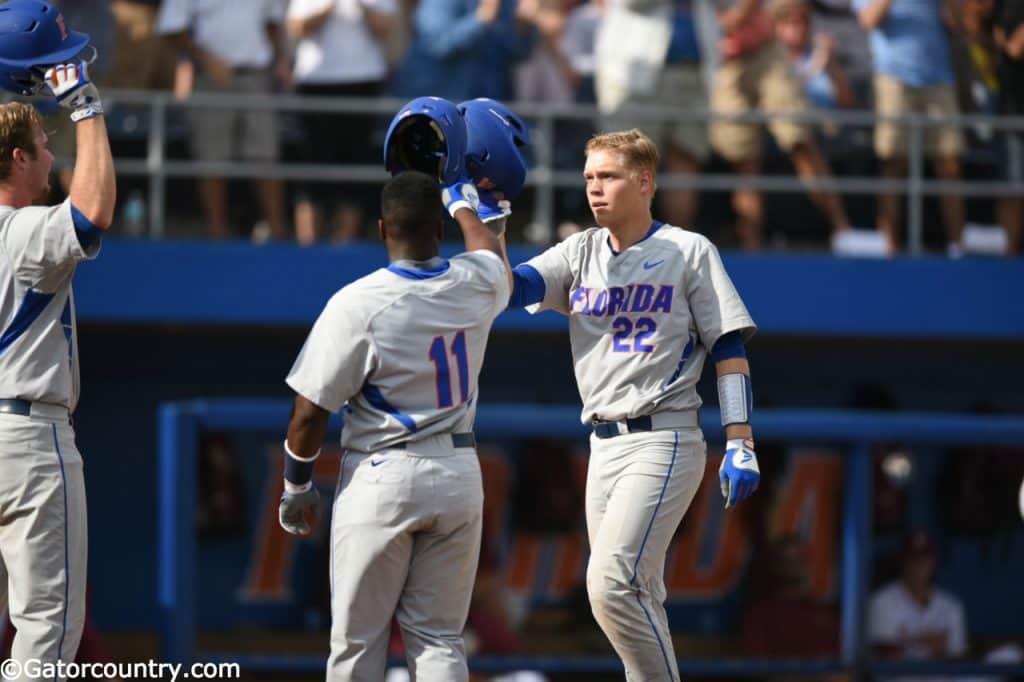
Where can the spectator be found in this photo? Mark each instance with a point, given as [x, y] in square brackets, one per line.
[1009, 37]
[912, 619]
[142, 59]
[755, 74]
[237, 48]
[463, 49]
[787, 621]
[813, 55]
[913, 75]
[547, 75]
[581, 26]
[340, 53]
[647, 54]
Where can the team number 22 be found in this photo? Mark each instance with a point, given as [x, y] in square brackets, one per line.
[624, 328]
[439, 356]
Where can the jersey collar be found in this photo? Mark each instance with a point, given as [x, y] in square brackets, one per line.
[654, 228]
[418, 269]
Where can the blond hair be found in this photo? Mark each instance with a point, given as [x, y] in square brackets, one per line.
[18, 123]
[638, 152]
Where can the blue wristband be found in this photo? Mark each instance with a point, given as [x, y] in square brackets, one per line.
[298, 470]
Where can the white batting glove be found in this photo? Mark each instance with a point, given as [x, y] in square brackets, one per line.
[298, 508]
[494, 212]
[738, 473]
[71, 86]
[460, 194]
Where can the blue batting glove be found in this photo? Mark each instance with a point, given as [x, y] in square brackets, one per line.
[460, 194]
[738, 473]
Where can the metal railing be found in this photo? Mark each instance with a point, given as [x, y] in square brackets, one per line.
[544, 177]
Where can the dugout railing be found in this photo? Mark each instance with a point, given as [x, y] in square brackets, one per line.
[180, 425]
[544, 177]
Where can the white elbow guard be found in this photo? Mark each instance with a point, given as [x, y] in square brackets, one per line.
[735, 398]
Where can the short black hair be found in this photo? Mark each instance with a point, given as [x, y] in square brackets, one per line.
[410, 205]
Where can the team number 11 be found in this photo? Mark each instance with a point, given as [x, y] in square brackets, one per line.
[439, 356]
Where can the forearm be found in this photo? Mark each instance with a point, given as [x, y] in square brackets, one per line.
[380, 24]
[304, 27]
[306, 428]
[738, 14]
[93, 185]
[475, 233]
[741, 430]
[1015, 44]
[845, 95]
[275, 33]
[874, 14]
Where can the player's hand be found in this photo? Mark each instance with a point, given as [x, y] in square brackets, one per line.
[71, 86]
[494, 212]
[738, 473]
[298, 509]
[460, 194]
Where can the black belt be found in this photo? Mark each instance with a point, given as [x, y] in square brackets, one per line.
[16, 406]
[611, 429]
[459, 440]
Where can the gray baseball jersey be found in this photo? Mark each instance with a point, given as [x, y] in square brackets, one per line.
[43, 531]
[641, 321]
[39, 344]
[403, 347]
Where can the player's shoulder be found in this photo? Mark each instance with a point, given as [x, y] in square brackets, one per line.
[364, 296]
[686, 241]
[476, 259]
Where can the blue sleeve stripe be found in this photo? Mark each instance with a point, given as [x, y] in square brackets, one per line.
[528, 286]
[729, 346]
[86, 231]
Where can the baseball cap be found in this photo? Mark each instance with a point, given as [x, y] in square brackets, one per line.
[919, 544]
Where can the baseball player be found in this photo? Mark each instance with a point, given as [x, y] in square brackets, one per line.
[43, 530]
[402, 347]
[647, 302]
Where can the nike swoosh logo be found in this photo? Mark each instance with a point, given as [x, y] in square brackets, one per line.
[377, 462]
[648, 266]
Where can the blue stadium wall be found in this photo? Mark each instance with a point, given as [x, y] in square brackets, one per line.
[171, 320]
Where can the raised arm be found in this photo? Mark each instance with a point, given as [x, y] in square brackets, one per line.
[93, 187]
[462, 201]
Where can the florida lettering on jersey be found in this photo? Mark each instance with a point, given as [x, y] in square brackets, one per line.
[640, 321]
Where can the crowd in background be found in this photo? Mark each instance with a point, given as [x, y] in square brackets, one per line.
[933, 57]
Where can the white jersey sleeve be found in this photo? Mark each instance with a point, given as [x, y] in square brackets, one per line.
[714, 302]
[175, 16]
[338, 355]
[488, 273]
[555, 266]
[40, 239]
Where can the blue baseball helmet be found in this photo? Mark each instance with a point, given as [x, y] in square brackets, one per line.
[428, 134]
[497, 139]
[33, 37]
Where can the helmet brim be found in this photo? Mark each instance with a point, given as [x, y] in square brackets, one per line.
[73, 46]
